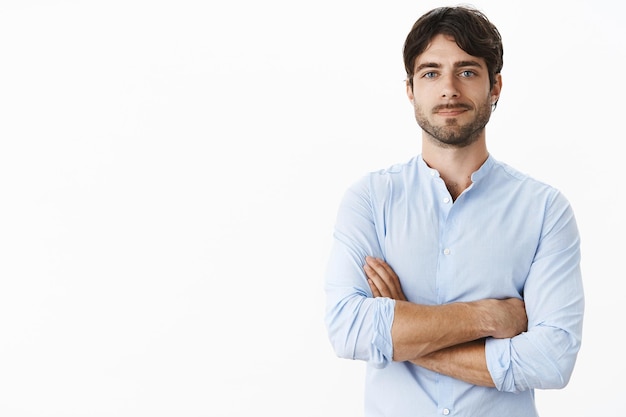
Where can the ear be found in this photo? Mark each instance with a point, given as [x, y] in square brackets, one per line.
[409, 90]
[496, 89]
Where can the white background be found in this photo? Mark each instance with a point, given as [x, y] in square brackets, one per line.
[170, 173]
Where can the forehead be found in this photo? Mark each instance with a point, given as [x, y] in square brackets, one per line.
[443, 50]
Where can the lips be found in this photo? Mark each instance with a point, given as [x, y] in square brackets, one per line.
[451, 110]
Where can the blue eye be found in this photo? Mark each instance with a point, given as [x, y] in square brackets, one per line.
[430, 75]
[467, 73]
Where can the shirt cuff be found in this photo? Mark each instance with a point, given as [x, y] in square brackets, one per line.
[498, 356]
[382, 345]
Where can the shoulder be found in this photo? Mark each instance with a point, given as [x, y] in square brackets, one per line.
[525, 185]
[375, 187]
[397, 174]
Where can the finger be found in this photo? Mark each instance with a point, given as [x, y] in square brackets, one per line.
[393, 281]
[386, 275]
[376, 280]
[375, 291]
[377, 265]
[381, 277]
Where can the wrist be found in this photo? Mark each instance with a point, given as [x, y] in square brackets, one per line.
[483, 317]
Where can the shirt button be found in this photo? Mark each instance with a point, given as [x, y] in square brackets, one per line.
[446, 251]
[446, 200]
[445, 412]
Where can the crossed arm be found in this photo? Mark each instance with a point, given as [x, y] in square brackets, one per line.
[449, 338]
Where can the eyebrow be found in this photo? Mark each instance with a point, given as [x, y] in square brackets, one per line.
[459, 64]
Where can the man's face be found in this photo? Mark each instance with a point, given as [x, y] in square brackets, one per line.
[451, 94]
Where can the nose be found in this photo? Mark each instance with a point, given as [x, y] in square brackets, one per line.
[449, 88]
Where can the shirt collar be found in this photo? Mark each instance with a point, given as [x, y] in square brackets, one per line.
[476, 176]
[483, 170]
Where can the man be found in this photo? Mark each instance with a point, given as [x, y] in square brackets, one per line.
[454, 276]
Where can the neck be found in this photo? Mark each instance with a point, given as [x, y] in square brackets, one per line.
[455, 165]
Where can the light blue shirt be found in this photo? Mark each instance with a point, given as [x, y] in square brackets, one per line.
[506, 235]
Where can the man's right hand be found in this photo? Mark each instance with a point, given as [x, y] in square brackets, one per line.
[504, 318]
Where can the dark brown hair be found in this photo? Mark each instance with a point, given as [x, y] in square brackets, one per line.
[471, 30]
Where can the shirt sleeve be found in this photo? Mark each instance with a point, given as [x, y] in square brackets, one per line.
[358, 325]
[544, 356]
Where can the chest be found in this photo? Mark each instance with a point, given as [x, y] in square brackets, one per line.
[446, 252]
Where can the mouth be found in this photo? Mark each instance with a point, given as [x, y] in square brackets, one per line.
[451, 111]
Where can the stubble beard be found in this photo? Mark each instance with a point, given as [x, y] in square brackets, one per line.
[452, 134]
